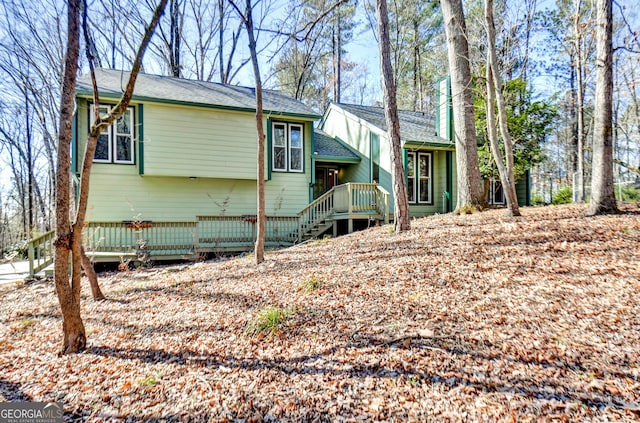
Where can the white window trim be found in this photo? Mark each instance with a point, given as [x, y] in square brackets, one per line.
[301, 148]
[492, 193]
[287, 146]
[429, 178]
[109, 143]
[416, 177]
[412, 182]
[131, 134]
[113, 134]
[274, 146]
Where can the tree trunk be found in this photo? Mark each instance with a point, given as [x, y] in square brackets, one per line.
[469, 179]
[223, 78]
[401, 206]
[579, 188]
[259, 247]
[68, 236]
[602, 193]
[494, 84]
[96, 292]
[175, 39]
[74, 337]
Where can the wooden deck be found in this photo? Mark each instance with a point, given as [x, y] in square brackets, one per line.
[188, 240]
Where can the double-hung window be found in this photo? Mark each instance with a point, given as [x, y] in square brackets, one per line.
[420, 178]
[287, 147]
[115, 144]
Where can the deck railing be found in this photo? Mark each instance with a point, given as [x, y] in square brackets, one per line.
[382, 203]
[40, 252]
[316, 212]
[215, 233]
[359, 197]
[241, 230]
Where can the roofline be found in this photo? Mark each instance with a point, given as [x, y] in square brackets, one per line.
[83, 93]
[358, 119]
[444, 146]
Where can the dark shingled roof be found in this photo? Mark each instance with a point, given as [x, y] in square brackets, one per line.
[327, 147]
[166, 88]
[416, 127]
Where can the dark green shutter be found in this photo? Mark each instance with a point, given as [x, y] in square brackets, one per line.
[269, 143]
[140, 140]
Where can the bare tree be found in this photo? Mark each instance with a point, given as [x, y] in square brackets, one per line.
[494, 91]
[602, 193]
[580, 134]
[69, 234]
[470, 191]
[247, 18]
[401, 205]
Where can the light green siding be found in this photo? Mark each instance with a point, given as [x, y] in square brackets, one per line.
[351, 131]
[118, 195]
[187, 141]
[356, 132]
[439, 187]
[177, 153]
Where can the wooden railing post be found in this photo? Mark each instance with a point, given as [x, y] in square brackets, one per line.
[31, 254]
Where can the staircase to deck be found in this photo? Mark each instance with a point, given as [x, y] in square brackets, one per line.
[348, 202]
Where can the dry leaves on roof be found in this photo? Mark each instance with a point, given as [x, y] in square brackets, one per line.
[463, 318]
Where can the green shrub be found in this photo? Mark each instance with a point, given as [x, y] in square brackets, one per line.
[268, 321]
[537, 200]
[629, 194]
[563, 196]
[310, 284]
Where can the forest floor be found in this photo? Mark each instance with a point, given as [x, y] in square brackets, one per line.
[464, 318]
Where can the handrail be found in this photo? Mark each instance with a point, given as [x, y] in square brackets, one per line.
[317, 211]
[40, 252]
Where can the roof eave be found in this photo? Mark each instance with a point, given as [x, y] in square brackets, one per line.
[336, 159]
[432, 145]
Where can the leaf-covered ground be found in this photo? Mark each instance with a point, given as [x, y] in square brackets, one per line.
[464, 318]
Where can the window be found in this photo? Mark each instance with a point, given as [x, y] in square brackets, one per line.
[115, 144]
[496, 193]
[287, 147]
[419, 178]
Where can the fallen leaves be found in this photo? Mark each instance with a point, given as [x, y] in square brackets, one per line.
[464, 318]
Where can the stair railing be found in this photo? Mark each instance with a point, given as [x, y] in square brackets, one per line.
[41, 252]
[317, 211]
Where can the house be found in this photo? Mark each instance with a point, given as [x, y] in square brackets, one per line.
[428, 159]
[176, 174]
[428, 153]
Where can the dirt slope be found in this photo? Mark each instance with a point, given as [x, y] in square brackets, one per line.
[464, 318]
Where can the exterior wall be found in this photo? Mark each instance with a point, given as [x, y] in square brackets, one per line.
[116, 196]
[439, 186]
[356, 133]
[188, 141]
[179, 192]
